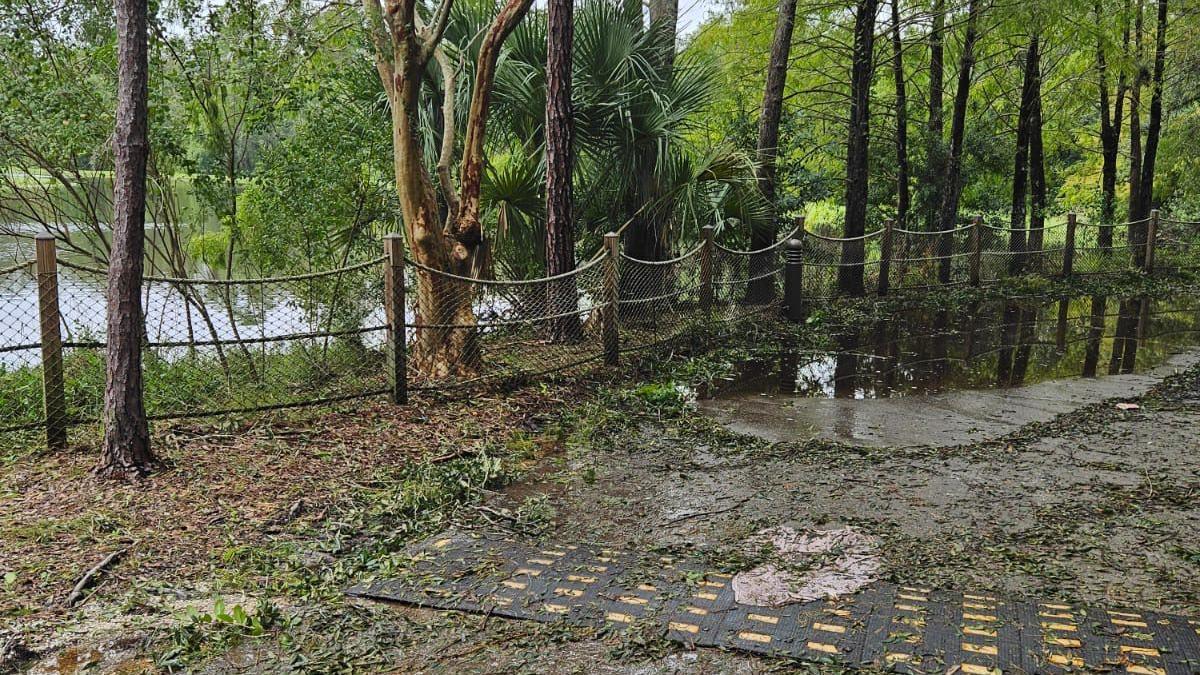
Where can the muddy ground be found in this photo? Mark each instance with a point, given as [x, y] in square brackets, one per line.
[1096, 505]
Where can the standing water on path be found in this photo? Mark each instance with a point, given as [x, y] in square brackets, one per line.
[942, 378]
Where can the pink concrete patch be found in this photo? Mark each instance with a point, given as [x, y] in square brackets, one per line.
[812, 565]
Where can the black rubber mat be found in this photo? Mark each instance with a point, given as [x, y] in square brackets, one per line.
[907, 628]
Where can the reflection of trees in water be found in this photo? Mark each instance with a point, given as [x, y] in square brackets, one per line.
[1006, 345]
[1091, 356]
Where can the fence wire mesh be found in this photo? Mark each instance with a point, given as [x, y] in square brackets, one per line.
[20, 344]
[214, 347]
[463, 331]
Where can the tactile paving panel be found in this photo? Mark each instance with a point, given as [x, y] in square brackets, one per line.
[907, 628]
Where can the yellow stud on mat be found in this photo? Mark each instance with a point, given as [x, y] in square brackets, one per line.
[754, 637]
[823, 647]
[763, 618]
[979, 649]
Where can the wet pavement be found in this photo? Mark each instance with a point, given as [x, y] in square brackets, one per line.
[930, 378]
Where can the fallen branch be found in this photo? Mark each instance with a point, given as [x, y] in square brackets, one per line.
[88, 577]
[689, 516]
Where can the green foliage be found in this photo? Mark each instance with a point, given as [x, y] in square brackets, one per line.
[202, 633]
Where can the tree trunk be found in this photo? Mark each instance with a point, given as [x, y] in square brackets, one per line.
[768, 140]
[1017, 243]
[126, 431]
[1145, 194]
[952, 184]
[935, 155]
[850, 272]
[562, 296]
[445, 340]
[1037, 168]
[1110, 136]
[902, 192]
[665, 14]
[1136, 233]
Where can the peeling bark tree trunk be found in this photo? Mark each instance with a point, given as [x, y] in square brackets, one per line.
[952, 184]
[850, 272]
[902, 191]
[560, 236]
[762, 290]
[445, 342]
[126, 431]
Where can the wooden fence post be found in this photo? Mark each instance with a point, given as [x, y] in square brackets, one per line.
[976, 249]
[397, 338]
[1068, 267]
[54, 399]
[609, 313]
[1151, 240]
[885, 257]
[706, 268]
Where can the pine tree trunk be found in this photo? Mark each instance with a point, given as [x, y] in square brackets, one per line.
[126, 431]
[1037, 169]
[935, 154]
[1145, 194]
[1136, 233]
[562, 295]
[952, 184]
[850, 271]
[902, 191]
[1110, 137]
[763, 290]
[1017, 243]
[665, 13]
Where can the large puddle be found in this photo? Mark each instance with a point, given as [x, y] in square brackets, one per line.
[944, 378]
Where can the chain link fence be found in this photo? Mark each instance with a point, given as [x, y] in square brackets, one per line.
[215, 347]
[20, 345]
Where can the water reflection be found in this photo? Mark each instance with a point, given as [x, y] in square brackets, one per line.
[993, 345]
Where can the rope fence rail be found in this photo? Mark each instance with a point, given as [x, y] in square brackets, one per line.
[390, 325]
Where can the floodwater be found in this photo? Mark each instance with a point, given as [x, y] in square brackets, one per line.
[940, 378]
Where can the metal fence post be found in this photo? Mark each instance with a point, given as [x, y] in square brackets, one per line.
[793, 279]
[1151, 239]
[706, 268]
[976, 249]
[54, 399]
[397, 345]
[1068, 267]
[885, 257]
[609, 329]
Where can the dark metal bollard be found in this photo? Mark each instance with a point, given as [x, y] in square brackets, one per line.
[793, 280]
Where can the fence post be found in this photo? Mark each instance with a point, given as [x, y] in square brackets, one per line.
[54, 399]
[397, 340]
[793, 279]
[976, 249]
[885, 257]
[706, 268]
[1068, 267]
[1151, 239]
[609, 329]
